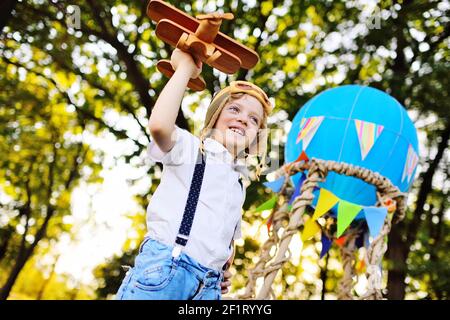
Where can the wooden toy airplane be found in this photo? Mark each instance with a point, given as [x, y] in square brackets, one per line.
[201, 37]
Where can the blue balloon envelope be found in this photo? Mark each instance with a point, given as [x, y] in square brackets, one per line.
[357, 125]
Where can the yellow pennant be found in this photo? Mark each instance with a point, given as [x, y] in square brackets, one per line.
[326, 201]
[310, 229]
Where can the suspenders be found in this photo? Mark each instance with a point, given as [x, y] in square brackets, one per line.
[191, 205]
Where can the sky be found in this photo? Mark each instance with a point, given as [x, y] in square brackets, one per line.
[100, 225]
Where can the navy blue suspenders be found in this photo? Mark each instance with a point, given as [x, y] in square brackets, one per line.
[191, 205]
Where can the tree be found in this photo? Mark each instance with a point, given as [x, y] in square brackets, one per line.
[39, 166]
[107, 67]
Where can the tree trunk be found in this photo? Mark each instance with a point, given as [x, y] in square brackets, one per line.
[397, 254]
[23, 256]
[18, 266]
[4, 241]
[404, 234]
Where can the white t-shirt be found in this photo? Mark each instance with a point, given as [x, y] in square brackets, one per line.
[217, 219]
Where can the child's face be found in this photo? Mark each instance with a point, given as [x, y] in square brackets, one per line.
[238, 123]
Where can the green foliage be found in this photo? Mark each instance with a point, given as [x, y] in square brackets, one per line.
[59, 84]
[112, 272]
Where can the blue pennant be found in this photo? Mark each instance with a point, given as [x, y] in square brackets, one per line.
[375, 219]
[326, 245]
[275, 185]
[298, 186]
[367, 240]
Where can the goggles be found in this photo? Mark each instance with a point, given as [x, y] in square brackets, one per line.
[255, 91]
[248, 88]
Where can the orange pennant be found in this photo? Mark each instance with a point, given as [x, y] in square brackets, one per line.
[360, 265]
[341, 241]
[269, 222]
[302, 157]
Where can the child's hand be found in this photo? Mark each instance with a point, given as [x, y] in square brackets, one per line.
[190, 64]
[226, 281]
[227, 274]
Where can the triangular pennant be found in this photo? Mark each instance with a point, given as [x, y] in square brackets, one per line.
[347, 211]
[341, 241]
[360, 266]
[367, 240]
[275, 185]
[298, 187]
[326, 201]
[269, 222]
[368, 134]
[308, 128]
[410, 164]
[302, 157]
[326, 245]
[269, 204]
[375, 217]
[310, 230]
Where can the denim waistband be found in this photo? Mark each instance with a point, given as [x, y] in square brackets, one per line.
[207, 275]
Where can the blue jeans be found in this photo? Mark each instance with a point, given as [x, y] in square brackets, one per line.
[157, 275]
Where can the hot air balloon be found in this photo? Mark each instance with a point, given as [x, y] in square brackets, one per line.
[357, 125]
[351, 156]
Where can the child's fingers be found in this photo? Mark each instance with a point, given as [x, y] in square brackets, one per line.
[225, 284]
[227, 275]
[197, 61]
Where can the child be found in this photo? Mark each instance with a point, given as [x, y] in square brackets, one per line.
[183, 257]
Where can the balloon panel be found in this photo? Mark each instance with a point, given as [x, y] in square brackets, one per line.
[390, 133]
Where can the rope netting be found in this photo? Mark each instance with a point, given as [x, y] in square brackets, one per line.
[288, 222]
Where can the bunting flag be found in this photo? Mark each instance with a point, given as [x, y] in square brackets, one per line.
[410, 165]
[269, 222]
[310, 230]
[341, 241]
[308, 128]
[347, 211]
[302, 157]
[375, 217]
[269, 204]
[360, 266]
[367, 239]
[326, 245]
[275, 185]
[298, 186]
[326, 201]
[368, 134]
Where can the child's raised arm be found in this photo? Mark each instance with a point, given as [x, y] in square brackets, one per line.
[165, 111]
